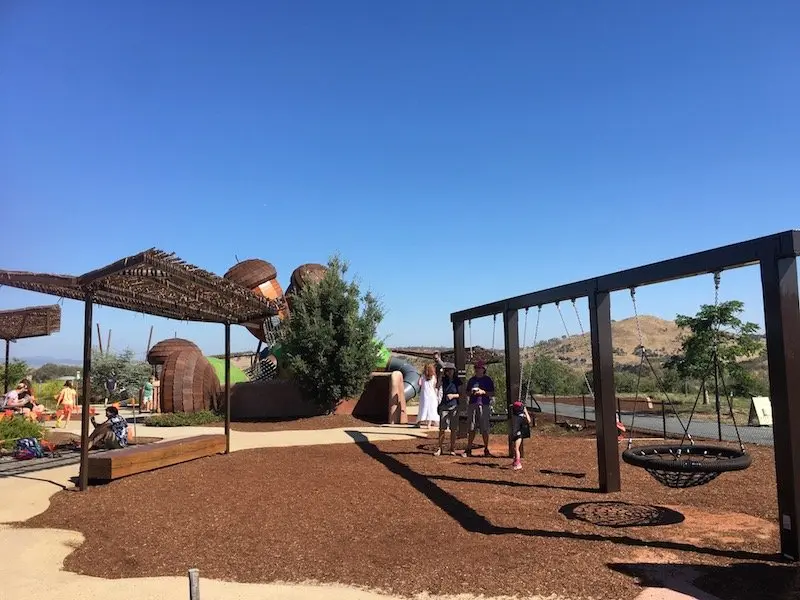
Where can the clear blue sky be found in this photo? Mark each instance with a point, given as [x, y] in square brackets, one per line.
[455, 152]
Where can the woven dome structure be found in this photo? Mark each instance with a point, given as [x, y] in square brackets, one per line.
[260, 277]
[189, 382]
[158, 354]
[251, 273]
[305, 274]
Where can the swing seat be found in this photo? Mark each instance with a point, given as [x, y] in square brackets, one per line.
[686, 466]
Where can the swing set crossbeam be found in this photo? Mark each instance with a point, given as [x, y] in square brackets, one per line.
[742, 254]
[776, 255]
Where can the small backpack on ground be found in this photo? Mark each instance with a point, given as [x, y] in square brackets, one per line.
[27, 448]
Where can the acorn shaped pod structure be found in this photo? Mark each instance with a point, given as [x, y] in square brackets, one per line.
[302, 276]
[158, 354]
[260, 277]
[189, 382]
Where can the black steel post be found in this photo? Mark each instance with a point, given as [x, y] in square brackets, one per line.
[227, 388]
[583, 402]
[604, 392]
[782, 326]
[5, 376]
[512, 364]
[86, 391]
[663, 418]
[460, 359]
[716, 397]
[555, 408]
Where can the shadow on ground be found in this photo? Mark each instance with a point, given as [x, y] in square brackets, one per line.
[742, 581]
[621, 514]
[472, 521]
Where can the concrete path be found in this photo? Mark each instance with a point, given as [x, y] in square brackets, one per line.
[25, 496]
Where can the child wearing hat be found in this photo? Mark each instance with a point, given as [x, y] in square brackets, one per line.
[520, 429]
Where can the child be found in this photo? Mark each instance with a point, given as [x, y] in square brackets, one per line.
[520, 429]
[428, 397]
[66, 400]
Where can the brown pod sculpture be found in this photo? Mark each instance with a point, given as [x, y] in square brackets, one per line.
[188, 381]
[260, 277]
[302, 276]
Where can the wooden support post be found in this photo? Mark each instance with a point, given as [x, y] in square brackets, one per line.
[99, 339]
[460, 358]
[194, 584]
[782, 325]
[5, 376]
[227, 388]
[86, 391]
[604, 394]
[512, 360]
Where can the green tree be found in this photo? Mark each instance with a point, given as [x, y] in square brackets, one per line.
[330, 337]
[50, 371]
[17, 370]
[129, 373]
[735, 340]
[548, 375]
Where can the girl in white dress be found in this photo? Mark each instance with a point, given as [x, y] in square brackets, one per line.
[428, 414]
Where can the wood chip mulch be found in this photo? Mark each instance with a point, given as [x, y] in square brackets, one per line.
[390, 516]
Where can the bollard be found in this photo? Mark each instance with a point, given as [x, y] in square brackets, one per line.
[194, 584]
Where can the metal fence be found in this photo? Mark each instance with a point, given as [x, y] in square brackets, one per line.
[658, 419]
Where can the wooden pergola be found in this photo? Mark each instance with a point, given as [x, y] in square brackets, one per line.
[157, 283]
[23, 323]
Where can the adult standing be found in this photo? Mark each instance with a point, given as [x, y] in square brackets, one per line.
[448, 408]
[481, 390]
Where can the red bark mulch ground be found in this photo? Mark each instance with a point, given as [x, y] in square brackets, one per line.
[391, 516]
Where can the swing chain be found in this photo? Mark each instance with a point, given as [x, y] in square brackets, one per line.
[494, 328]
[533, 356]
[636, 317]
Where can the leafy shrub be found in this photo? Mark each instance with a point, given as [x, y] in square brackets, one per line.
[18, 427]
[179, 419]
[17, 370]
[329, 341]
[46, 392]
[130, 374]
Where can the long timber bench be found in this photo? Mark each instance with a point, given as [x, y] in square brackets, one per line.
[106, 466]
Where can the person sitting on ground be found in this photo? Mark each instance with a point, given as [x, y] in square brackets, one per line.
[66, 400]
[480, 388]
[521, 423]
[448, 408]
[111, 434]
[27, 401]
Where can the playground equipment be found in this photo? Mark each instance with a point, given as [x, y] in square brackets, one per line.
[261, 278]
[189, 382]
[776, 256]
[682, 465]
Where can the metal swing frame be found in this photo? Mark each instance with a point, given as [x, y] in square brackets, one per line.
[776, 256]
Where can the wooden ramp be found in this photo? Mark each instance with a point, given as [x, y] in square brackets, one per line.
[106, 466]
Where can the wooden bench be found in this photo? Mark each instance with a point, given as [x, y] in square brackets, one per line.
[113, 464]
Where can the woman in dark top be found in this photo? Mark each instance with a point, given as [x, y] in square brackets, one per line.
[448, 408]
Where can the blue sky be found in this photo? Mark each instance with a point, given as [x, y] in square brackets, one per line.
[454, 152]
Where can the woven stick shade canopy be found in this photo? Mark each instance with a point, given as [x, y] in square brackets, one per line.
[34, 321]
[156, 283]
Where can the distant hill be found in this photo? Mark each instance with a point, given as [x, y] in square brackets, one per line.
[38, 361]
[661, 337]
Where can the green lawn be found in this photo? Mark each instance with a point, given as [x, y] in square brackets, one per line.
[237, 375]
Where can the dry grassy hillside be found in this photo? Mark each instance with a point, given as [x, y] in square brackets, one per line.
[662, 338]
